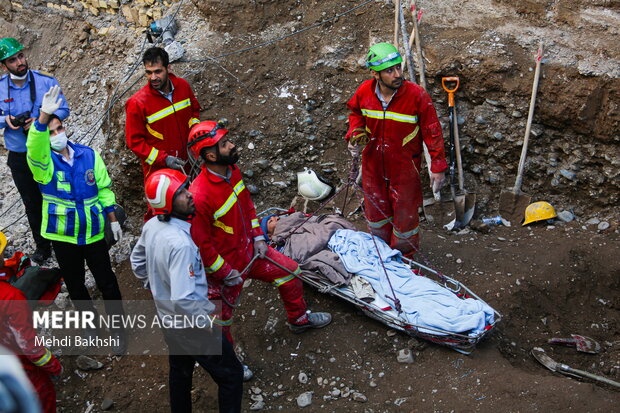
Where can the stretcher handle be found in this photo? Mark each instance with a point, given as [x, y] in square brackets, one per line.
[236, 303]
[450, 92]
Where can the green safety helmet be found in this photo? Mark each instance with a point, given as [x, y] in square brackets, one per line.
[381, 56]
[8, 47]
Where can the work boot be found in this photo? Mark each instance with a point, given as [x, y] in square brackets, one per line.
[41, 254]
[119, 346]
[247, 373]
[313, 320]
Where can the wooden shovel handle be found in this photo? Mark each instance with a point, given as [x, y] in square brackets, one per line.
[530, 118]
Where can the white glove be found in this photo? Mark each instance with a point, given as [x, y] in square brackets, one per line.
[233, 278]
[51, 100]
[116, 230]
[437, 181]
[173, 162]
[354, 150]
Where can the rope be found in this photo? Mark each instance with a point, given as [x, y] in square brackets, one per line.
[397, 305]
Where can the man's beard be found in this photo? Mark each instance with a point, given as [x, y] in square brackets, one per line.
[20, 72]
[229, 159]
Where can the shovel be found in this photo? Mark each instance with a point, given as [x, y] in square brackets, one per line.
[540, 355]
[458, 207]
[465, 202]
[581, 343]
[512, 204]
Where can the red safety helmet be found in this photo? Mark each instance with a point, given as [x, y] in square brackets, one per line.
[205, 135]
[161, 187]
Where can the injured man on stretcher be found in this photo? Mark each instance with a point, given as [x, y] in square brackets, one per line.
[329, 248]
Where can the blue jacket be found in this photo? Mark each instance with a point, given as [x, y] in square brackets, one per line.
[75, 198]
[16, 100]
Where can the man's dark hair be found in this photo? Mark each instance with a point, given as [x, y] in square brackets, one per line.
[154, 55]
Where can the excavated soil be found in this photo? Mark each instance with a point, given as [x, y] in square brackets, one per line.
[285, 101]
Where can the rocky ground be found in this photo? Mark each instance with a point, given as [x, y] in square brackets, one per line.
[285, 101]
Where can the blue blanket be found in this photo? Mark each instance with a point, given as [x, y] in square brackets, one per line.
[424, 302]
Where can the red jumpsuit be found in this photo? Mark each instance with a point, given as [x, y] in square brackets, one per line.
[224, 228]
[17, 334]
[156, 128]
[391, 161]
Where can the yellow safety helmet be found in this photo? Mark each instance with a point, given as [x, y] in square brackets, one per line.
[539, 211]
[2, 242]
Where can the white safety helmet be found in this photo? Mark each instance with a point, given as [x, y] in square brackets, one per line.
[311, 187]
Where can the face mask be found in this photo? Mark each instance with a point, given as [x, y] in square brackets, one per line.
[15, 77]
[58, 142]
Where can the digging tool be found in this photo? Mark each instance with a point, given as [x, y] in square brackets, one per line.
[410, 66]
[458, 223]
[512, 204]
[540, 355]
[465, 202]
[396, 14]
[581, 343]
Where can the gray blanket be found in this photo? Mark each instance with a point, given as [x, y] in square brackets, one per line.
[307, 245]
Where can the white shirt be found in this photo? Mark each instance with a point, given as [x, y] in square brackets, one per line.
[167, 260]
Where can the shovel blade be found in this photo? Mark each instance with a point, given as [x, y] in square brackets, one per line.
[470, 207]
[544, 359]
[459, 211]
[512, 206]
[586, 344]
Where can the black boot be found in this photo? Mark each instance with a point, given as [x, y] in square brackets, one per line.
[42, 253]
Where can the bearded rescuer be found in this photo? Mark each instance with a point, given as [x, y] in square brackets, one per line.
[390, 118]
[229, 236]
[159, 117]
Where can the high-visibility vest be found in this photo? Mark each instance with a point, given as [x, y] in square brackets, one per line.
[75, 198]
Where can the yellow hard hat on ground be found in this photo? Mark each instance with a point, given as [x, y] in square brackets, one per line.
[2, 242]
[539, 211]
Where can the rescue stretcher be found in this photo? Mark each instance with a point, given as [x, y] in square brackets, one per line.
[462, 342]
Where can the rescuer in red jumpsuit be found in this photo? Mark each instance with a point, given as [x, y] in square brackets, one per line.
[18, 335]
[159, 117]
[390, 118]
[229, 236]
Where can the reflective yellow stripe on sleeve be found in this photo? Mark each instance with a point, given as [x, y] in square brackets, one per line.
[255, 223]
[193, 121]
[152, 156]
[217, 264]
[44, 359]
